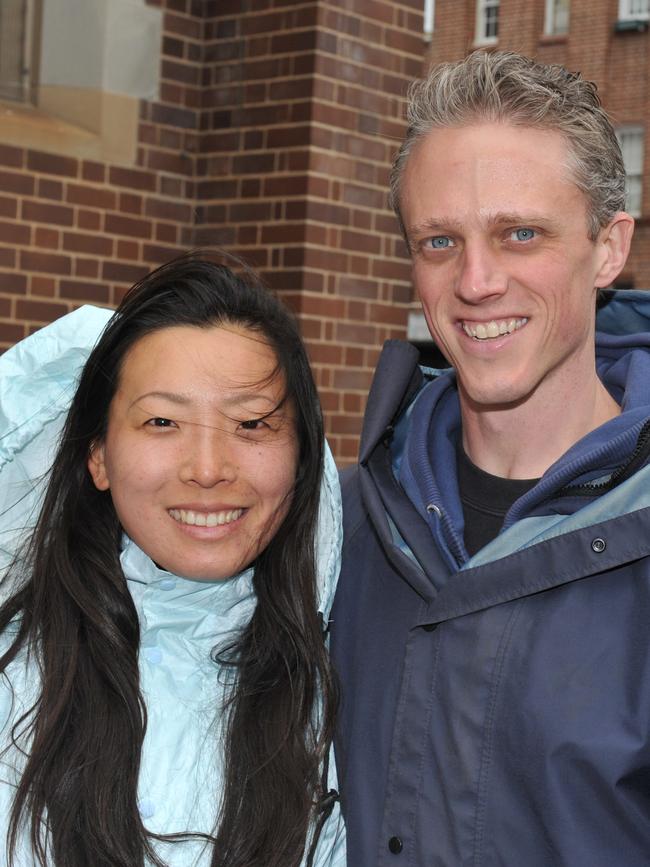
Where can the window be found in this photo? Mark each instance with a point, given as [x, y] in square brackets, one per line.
[19, 29]
[631, 141]
[429, 16]
[79, 69]
[487, 22]
[633, 10]
[556, 21]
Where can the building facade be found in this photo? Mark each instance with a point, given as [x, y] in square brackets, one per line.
[608, 41]
[132, 130]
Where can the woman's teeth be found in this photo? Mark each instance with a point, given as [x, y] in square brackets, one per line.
[205, 519]
[492, 329]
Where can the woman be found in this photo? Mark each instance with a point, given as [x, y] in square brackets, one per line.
[164, 665]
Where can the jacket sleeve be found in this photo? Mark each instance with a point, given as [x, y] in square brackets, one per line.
[38, 377]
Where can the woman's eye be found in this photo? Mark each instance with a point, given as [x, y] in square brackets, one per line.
[441, 242]
[160, 422]
[253, 424]
[524, 234]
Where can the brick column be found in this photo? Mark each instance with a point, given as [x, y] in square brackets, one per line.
[301, 117]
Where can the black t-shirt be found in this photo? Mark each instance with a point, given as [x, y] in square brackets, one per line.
[486, 500]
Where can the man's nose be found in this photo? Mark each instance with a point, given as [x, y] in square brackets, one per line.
[480, 276]
[210, 457]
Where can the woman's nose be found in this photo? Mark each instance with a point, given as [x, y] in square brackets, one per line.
[210, 458]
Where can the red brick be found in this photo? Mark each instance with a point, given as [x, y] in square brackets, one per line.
[11, 332]
[117, 224]
[31, 260]
[48, 238]
[182, 26]
[167, 233]
[94, 172]
[128, 250]
[99, 245]
[353, 379]
[11, 156]
[40, 212]
[14, 284]
[52, 164]
[84, 290]
[12, 182]
[159, 253]
[165, 209]
[7, 257]
[90, 220]
[39, 311]
[163, 161]
[121, 272]
[49, 189]
[86, 267]
[14, 233]
[93, 197]
[8, 207]
[130, 203]
[185, 73]
[135, 179]
[45, 287]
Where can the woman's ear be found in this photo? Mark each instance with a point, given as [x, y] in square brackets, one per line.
[97, 467]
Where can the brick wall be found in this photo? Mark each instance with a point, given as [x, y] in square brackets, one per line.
[74, 230]
[302, 114]
[272, 137]
[618, 62]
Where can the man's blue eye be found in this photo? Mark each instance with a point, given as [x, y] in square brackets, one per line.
[441, 242]
[524, 234]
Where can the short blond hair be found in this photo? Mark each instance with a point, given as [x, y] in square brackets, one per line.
[501, 86]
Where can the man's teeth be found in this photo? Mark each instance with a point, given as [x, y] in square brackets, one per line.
[205, 519]
[494, 328]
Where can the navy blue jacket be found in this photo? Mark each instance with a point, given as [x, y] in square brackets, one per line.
[496, 709]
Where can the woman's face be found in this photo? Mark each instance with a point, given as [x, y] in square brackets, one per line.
[200, 454]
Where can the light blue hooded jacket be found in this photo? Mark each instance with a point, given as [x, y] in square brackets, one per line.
[181, 620]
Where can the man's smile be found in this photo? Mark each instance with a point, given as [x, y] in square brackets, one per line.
[492, 328]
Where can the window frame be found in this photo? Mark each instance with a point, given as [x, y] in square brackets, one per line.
[21, 87]
[550, 19]
[626, 13]
[429, 19]
[633, 173]
[482, 7]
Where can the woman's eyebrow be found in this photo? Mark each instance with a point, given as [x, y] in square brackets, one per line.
[171, 396]
[244, 397]
[236, 399]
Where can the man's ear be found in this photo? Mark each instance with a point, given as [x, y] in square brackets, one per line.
[97, 467]
[615, 239]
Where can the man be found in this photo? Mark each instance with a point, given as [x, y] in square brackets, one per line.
[492, 626]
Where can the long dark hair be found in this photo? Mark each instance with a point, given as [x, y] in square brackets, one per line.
[76, 616]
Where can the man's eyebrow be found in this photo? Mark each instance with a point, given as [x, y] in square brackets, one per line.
[434, 224]
[499, 218]
[515, 219]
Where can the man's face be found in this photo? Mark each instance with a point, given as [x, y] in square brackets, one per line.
[502, 260]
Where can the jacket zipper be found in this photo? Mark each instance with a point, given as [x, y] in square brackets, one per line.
[636, 460]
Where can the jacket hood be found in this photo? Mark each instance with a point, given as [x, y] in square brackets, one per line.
[415, 411]
[38, 378]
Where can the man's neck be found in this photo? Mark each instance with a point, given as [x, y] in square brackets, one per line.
[523, 441]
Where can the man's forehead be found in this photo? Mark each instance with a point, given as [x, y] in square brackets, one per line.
[497, 173]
